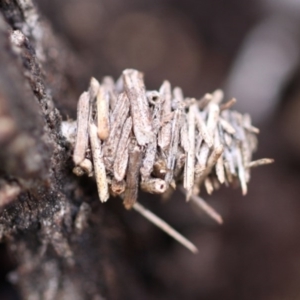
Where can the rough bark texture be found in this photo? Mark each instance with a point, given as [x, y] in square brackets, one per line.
[64, 249]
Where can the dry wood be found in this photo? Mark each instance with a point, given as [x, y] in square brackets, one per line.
[173, 145]
[132, 175]
[203, 102]
[135, 90]
[118, 187]
[164, 136]
[93, 88]
[81, 143]
[189, 170]
[174, 140]
[154, 186]
[260, 162]
[102, 113]
[165, 227]
[109, 87]
[121, 161]
[151, 150]
[100, 172]
[119, 115]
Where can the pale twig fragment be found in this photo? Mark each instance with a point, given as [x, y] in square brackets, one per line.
[189, 101]
[121, 161]
[226, 126]
[109, 87]
[119, 86]
[166, 94]
[241, 170]
[78, 171]
[220, 163]
[260, 162]
[228, 157]
[164, 135]
[208, 185]
[119, 115]
[215, 182]
[246, 158]
[154, 185]
[102, 114]
[217, 96]
[199, 142]
[203, 102]
[252, 141]
[184, 137]
[167, 119]
[204, 206]
[212, 160]
[100, 173]
[189, 171]
[153, 97]
[140, 112]
[243, 147]
[236, 121]
[207, 208]
[173, 145]
[177, 98]
[160, 168]
[151, 148]
[165, 227]
[220, 169]
[117, 187]
[252, 129]
[229, 175]
[173, 184]
[149, 159]
[227, 104]
[213, 117]
[202, 159]
[87, 166]
[227, 139]
[93, 88]
[81, 142]
[132, 175]
[201, 126]
[180, 161]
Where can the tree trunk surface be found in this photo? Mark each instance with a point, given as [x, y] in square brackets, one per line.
[64, 245]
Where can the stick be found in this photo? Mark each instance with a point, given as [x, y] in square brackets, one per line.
[189, 169]
[204, 206]
[165, 227]
[164, 136]
[140, 113]
[260, 162]
[132, 175]
[100, 173]
[121, 161]
[82, 136]
[102, 114]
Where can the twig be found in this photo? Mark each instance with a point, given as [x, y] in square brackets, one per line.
[81, 143]
[164, 226]
[100, 172]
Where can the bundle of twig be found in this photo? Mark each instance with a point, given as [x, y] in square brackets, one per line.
[130, 138]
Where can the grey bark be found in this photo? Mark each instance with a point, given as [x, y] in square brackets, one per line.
[62, 246]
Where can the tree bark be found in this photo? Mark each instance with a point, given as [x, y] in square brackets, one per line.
[63, 243]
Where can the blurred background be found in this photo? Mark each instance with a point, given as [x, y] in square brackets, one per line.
[250, 49]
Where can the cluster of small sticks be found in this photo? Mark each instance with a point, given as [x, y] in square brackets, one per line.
[130, 138]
